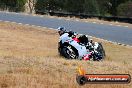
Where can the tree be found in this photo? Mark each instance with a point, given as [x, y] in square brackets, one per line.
[125, 9]
[2, 5]
[114, 5]
[91, 7]
[31, 5]
[13, 5]
[40, 6]
[74, 6]
[103, 6]
[20, 5]
[43, 6]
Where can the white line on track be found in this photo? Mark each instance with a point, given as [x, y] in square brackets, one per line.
[39, 26]
[61, 19]
[126, 26]
[41, 16]
[118, 25]
[33, 25]
[7, 21]
[94, 22]
[27, 24]
[67, 19]
[13, 22]
[20, 23]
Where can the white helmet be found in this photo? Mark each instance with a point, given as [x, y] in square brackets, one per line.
[61, 29]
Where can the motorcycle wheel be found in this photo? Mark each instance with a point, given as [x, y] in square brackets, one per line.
[68, 52]
[100, 54]
[101, 51]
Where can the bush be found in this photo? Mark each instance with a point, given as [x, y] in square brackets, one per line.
[13, 5]
[125, 9]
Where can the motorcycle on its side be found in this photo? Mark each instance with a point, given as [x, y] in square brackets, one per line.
[72, 47]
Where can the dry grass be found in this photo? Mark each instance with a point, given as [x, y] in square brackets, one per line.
[29, 59]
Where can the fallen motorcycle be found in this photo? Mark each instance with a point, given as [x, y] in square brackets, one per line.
[73, 47]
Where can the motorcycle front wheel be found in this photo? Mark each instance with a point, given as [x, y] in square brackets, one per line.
[68, 52]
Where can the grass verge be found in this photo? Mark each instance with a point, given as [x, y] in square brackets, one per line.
[29, 59]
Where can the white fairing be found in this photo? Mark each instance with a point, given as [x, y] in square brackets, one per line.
[81, 48]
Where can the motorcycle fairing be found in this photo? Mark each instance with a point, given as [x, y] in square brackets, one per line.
[80, 48]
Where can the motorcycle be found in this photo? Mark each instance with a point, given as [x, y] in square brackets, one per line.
[72, 47]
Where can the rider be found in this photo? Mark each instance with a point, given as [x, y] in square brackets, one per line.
[61, 30]
[64, 35]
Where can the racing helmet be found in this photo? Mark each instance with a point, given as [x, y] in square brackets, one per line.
[61, 30]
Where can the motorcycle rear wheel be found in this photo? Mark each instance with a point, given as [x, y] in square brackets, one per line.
[100, 54]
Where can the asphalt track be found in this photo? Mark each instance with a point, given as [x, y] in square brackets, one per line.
[108, 32]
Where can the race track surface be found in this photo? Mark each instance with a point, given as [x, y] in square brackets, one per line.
[104, 31]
